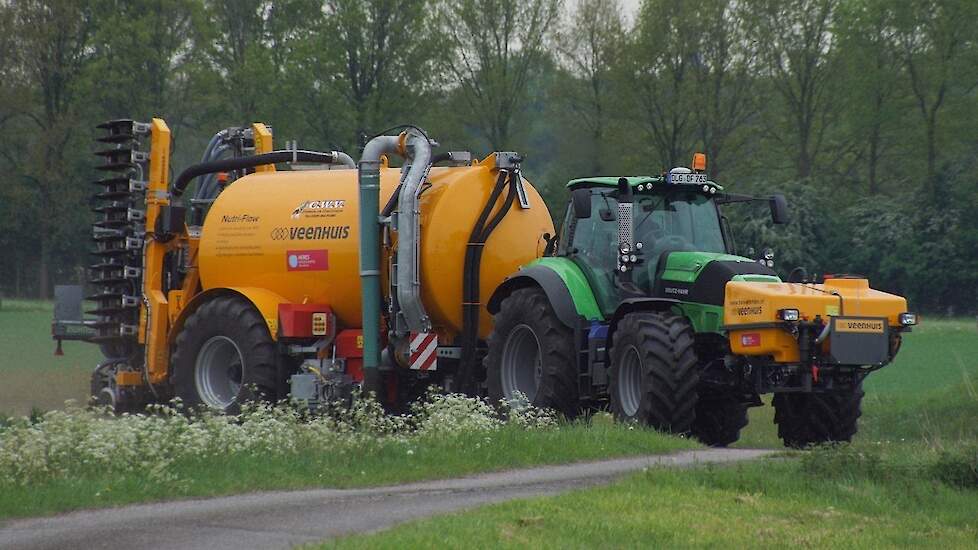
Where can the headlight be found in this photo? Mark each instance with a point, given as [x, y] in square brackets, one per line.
[789, 314]
[908, 319]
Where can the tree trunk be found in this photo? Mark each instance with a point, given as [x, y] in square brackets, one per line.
[43, 275]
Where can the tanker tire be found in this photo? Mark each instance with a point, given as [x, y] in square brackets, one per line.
[235, 320]
[653, 374]
[527, 311]
[806, 419]
[719, 420]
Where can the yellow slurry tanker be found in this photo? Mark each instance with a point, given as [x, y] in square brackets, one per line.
[264, 274]
[266, 283]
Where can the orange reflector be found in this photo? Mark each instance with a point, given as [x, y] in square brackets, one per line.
[699, 162]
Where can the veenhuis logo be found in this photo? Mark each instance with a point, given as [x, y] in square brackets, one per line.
[311, 233]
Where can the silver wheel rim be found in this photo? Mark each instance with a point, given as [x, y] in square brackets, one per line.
[630, 382]
[522, 366]
[218, 372]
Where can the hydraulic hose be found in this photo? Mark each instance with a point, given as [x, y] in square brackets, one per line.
[185, 177]
[471, 271]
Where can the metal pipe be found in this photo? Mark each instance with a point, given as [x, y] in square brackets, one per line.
[417, 150]
[368, 180]
[344, 159]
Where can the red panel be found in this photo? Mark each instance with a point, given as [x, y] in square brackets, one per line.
[349, 343]
[295, 320]
[354, 367]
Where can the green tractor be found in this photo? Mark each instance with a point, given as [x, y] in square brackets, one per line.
[642, 306]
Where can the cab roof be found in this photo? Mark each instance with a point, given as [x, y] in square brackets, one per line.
[633, 181]
[612, 181]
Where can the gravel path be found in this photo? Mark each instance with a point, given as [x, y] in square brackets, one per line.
[284, 519]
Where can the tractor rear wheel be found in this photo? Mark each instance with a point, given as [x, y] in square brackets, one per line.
[806, 419]
[223, 357]
[719, 420]
[531, 355]
[653, 375]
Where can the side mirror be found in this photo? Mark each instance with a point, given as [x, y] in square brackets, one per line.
[581, 201]
[779, 209]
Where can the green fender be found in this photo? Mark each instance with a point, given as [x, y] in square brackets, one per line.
[564, 284]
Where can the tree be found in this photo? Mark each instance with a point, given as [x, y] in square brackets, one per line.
[796, 47]
[873, 78]
[938, 49]
[495, 46]
[659, 65]
[382, 53]
[54, 41]
[142, 52]
[725, 95]
[588, 47]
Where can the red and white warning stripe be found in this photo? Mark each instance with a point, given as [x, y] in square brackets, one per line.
[424, 351]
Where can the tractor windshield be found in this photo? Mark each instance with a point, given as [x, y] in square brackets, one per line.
[676, 221]
[662, 221]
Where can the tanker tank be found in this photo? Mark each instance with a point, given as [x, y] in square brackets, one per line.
[295, 234]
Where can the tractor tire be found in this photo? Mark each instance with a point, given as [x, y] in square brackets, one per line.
[532, 353]
[719, 420]
[223, 357]
[653, 375]
[806, 419]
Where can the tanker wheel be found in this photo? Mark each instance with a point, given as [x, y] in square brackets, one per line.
[223, 357]
[806, 419]
[653, 375]
[719, 420]
[531, 355]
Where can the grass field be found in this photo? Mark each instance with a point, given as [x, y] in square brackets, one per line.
[31, 376]
[910, 479]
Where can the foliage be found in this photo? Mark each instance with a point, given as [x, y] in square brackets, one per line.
[862, 111]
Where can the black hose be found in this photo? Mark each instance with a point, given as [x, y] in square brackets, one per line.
[239, 163]
[470, 276]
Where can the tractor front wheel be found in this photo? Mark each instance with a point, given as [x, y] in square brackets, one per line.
[806, 419]
[223, 357]
[653, 375]
[531, 355]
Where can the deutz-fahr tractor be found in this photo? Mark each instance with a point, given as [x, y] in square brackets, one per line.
[645, 306]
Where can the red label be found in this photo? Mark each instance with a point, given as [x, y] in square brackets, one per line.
[307, 260]
[751, 340]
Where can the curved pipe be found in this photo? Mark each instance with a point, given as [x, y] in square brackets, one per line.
[417, 150]
[185, 177]
[344, 159]
[368, 181]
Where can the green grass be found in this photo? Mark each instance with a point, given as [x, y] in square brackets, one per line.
[769, 504]
[31, 376]
[909, 479]
[381, 464]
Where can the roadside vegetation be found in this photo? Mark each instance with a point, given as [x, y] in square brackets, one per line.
[910, 478]
[851, 497]
[81, 458]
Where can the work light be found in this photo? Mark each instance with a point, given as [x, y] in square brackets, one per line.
[788, 314]
[908, 319]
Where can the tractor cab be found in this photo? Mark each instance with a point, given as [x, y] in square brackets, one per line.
[625, 233]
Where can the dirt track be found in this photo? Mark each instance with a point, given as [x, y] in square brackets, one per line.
[284, 519]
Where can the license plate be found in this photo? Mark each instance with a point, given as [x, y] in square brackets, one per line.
[686, 179]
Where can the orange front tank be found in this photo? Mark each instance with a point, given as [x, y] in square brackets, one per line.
[296, 234]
